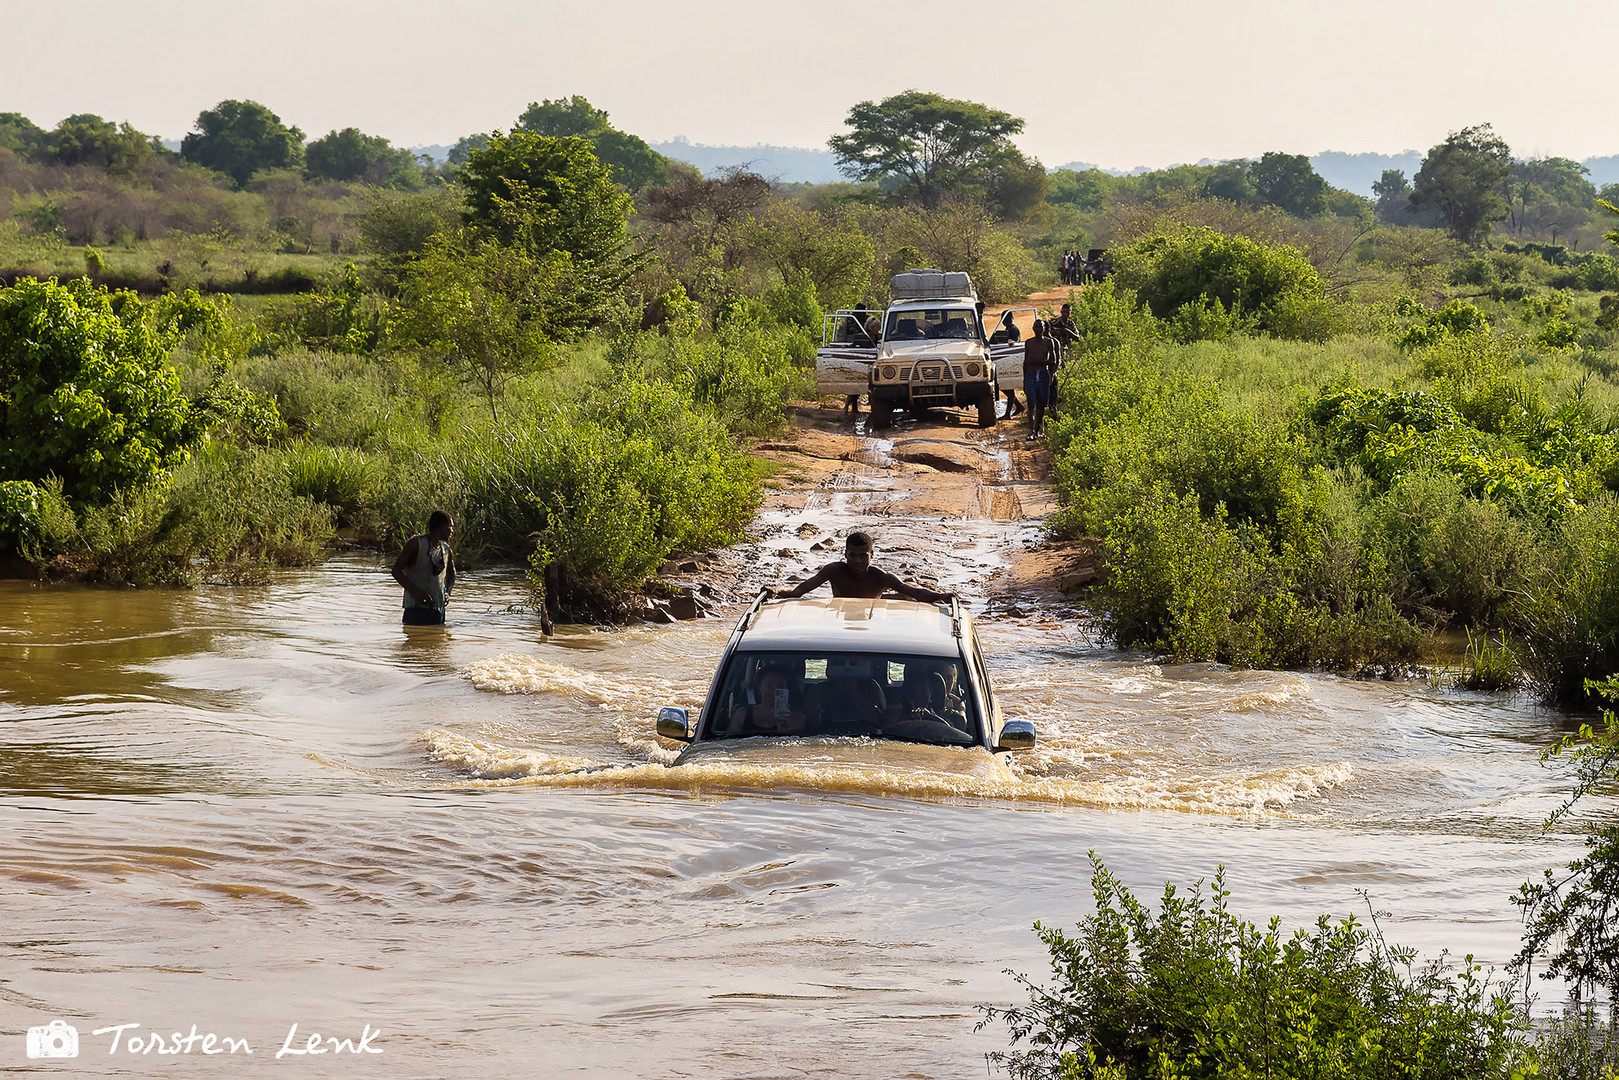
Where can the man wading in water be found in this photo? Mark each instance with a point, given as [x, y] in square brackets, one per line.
[855, 576]
[425, 569]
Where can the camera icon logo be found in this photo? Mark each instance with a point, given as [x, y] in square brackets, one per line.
[56, 1039]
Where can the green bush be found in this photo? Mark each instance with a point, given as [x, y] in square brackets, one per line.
[1191, 992]
[1452, 557]
[1203, 319]
[227, 515]
[339, 477]
[1249, 280]
[1456, 319]
[1569, 622]
[89, 395]
[1174, 576]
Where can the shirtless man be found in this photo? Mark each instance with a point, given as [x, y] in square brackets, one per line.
[854, 575]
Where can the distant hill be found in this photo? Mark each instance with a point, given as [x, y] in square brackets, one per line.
[1358, 172]
[790, 164]
[801, 164]
[1604, 170]
[438, 152]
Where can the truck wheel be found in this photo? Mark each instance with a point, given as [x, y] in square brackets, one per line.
[986, 408]
[882, 413]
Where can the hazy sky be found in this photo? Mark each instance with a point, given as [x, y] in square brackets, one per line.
[1149, 82]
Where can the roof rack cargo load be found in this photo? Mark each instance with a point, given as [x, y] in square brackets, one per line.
[931, 284]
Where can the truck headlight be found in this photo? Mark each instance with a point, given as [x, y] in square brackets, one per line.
[889, 371]
[973, 370]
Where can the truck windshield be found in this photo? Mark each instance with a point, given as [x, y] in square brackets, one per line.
[916, 324]
[923, 699]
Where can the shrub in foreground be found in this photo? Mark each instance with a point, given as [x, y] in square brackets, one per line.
[1190, 991]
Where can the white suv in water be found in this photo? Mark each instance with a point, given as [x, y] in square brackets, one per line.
[847, 671]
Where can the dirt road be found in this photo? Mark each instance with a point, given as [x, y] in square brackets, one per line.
[949, 504]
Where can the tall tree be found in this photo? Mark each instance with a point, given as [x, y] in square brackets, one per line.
[1548, 192]
[20, 135]
[351, 154]
[547, 194]
[240, 138]
[927, 145]
[634, 163]
[1290, 182]
[87, 139]
[1393, 193]
[1463, 180]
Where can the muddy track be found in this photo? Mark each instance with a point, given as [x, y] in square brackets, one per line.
[949, 504]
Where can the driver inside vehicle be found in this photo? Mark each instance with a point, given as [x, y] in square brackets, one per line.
[928, 694]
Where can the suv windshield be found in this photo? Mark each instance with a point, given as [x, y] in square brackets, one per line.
[914, 324]
[913, 698]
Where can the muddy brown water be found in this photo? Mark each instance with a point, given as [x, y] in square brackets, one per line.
[245, 809]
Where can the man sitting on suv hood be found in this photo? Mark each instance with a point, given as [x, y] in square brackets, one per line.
[853, 575]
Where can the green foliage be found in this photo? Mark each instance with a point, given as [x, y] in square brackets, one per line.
[1488, 665]
[88, 395]
[351, 155]
[1570, 620]
[1457, 318]
[338, 477]
[1461, 180]
[87, 139]
[1220, 542]
[1203, 319]
[489, 310]
[1191, 991]
[240, 138]
[338, 316]
[634, 164]
[549, 196]
[228, 515]
[1289, 182]
[19, 134]
[1570, 915]
[1202, 267]
[744, 373]
[19, 511]
[925, 145]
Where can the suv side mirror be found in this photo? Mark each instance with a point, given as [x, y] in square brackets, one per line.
[675, 723]
[1017, 735]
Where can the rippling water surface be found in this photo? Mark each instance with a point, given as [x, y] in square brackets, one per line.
[242, 809]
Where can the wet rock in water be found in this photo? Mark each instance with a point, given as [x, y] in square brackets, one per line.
[808, 529]
[685, 606]
[785, 553]
[659, 613]
[822, 546]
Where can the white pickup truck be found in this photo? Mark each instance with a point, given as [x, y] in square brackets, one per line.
[930, 350]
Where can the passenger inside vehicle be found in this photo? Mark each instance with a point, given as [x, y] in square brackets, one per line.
[769, 708]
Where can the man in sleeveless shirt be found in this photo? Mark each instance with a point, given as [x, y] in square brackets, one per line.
[425, 569]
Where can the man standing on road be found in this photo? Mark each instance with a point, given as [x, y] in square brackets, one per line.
[425, 569]
[854, 575]
[1064, 333]
[1039, 362]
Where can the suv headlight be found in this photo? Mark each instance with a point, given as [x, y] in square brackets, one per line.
[889, 371]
